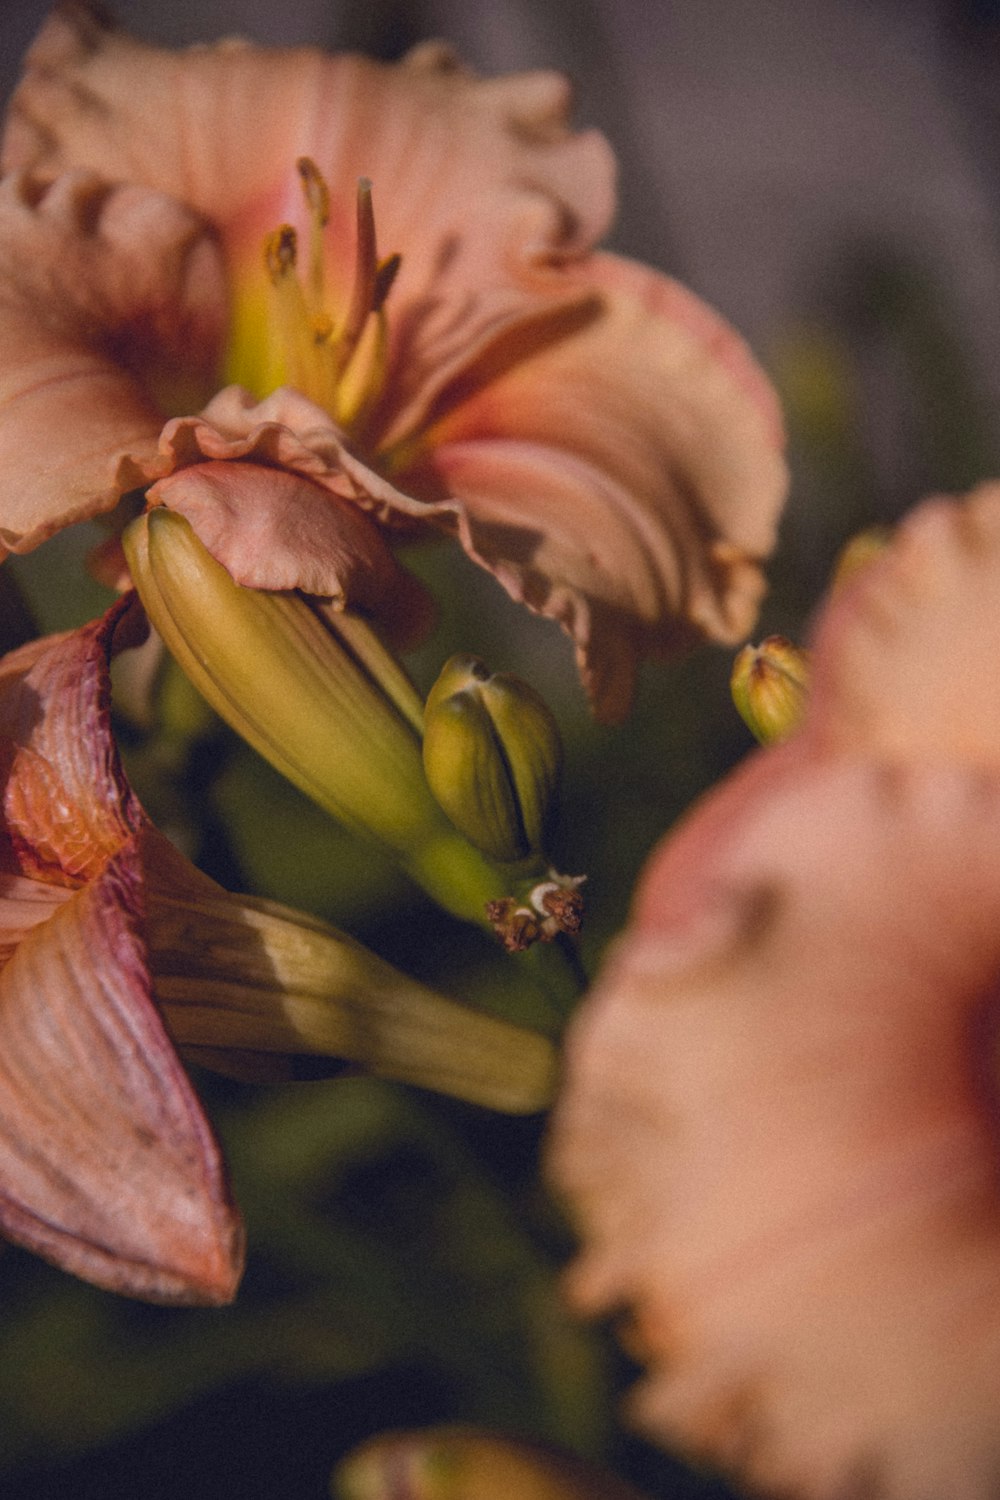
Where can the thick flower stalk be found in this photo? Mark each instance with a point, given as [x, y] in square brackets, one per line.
[408, 253]
[114, 950]
[780, 1125]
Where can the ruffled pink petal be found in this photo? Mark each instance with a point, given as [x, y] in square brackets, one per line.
[622, 474]
[221, 128]
[906, 659]
[111, 303]
[780, 1131]
[107, 1165]
[276, 497]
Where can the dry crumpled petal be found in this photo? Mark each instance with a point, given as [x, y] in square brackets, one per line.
[596, 438]
[780, 1125]
[107, 1164]
[469, 1463]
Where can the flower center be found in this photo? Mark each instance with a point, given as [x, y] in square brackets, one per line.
[336, 357]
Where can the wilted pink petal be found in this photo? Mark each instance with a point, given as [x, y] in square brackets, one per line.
[780, 1124]
[110, 302]
[107, 1165]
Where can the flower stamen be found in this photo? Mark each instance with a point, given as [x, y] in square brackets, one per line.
[337, 362]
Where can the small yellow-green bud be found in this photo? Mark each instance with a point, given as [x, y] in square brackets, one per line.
[860, 550]
[770, 684]
[493, 757]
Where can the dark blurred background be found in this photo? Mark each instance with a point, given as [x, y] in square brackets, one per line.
[826, 173]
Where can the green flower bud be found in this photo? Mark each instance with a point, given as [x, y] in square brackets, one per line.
[319, 697]
[770, 684]
[493, 758]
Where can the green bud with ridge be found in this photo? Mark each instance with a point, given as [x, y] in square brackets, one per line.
[770, 687]
[493, 758]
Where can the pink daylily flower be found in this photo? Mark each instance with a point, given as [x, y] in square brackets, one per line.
[108, 1166]
[593, 435]
[780, 1123]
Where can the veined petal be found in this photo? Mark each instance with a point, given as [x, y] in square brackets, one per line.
[67, 807]
[624, 476]
[907, 651]
[111, 303]
[221, 128]
[107, 1165]
[780, 1131]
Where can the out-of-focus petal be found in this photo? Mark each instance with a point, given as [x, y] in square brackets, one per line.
[907, 651]
[467, 1463]
[780, 1131]
[624, 476]
[107, 1166]
[476, 182]
[111, 301]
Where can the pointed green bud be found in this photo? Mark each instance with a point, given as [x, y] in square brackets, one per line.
[319, 697]
[493, 758]
[770, 684]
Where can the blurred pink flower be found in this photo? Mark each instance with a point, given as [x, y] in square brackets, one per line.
[780, 1121]
[594, 435]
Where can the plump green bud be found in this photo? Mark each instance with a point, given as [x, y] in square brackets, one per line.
[320, 698]
[493, 758]
[770, 684]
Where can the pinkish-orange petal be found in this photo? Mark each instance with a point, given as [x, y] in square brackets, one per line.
[275, 495]
[110, 301]
[476, 183]
[67, 807]
[107, 1165]
[906, 653]
[623, 475]
[779, 1131]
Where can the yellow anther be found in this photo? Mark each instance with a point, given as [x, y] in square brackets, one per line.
[280, 252]
[316, 191]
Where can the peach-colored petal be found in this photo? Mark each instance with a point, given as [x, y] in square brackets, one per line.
[110, 299]
[277, 498]
[779, 1131]
[624, 478]
[273, 530]
[907, 651]
[107, 1166]
[476, 182]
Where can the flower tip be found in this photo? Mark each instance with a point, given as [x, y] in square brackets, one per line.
[770, 684]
